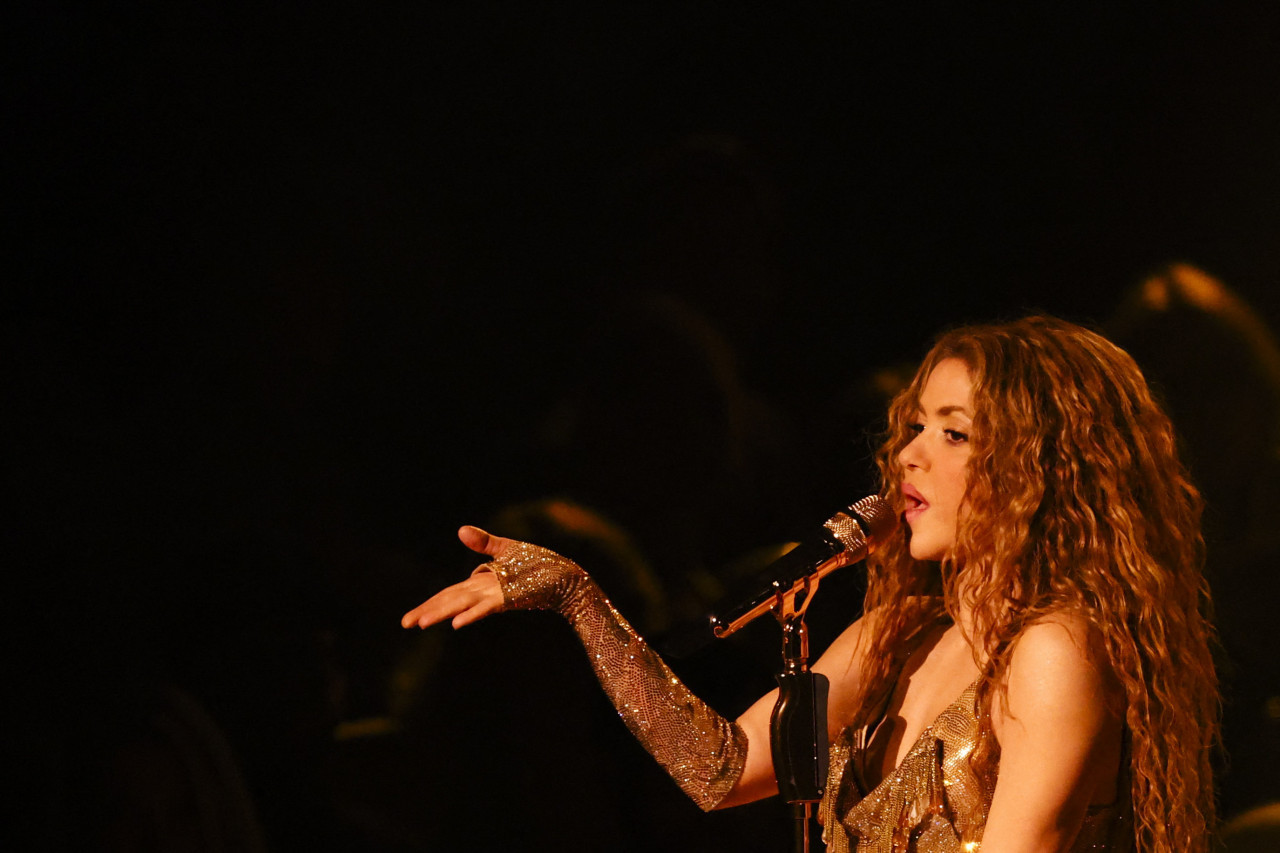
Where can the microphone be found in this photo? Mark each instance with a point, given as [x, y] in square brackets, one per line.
[847, 537]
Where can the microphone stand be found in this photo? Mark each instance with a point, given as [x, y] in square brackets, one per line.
[798, 727]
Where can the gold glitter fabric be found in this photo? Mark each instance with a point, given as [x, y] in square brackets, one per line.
[701, 750]
[933, 802]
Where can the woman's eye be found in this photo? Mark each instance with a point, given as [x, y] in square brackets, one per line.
[915, 429]
[956, 436]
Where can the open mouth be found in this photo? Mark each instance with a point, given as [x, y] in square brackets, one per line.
[913, 502]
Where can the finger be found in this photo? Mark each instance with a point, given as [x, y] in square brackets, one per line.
[481, 542]
[476, 613]
[445, 604]
[481, 590]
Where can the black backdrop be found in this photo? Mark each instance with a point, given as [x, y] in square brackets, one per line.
[294, 291]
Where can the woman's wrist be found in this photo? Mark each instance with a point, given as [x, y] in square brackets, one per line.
[535, 578]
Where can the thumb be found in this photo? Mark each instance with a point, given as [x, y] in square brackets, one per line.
[481, 542]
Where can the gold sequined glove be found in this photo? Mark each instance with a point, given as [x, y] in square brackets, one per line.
[701, 750]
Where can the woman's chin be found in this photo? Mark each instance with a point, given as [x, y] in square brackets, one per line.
[925, 552]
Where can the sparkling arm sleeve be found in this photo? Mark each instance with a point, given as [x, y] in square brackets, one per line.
[701, 750]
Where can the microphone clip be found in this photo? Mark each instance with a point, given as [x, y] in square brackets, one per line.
[848, 537]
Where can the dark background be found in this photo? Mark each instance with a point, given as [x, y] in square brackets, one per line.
[295, 291]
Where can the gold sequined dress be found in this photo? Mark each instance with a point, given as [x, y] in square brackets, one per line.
[933, 802]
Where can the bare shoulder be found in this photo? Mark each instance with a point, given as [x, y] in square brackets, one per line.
[1059, 723]
[1065, 639]
[1058, 668]
[1066, 642]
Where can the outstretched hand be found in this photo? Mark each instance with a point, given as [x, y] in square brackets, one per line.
[470, 601]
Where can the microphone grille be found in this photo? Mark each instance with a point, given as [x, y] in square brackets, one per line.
[876, 515]
[866, 523]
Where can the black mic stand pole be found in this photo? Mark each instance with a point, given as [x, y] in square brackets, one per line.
[798, 727]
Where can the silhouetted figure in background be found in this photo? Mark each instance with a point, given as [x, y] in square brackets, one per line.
[1254, 831]
[149, 770]
[1218, 368]
[675, 415]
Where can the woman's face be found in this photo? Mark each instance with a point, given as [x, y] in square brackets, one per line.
[935, 463]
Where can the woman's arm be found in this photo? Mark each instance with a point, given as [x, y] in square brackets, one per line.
[1060, 739]
[716, 762]
[702, 751]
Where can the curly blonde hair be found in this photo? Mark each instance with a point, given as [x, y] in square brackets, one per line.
[1077, 503]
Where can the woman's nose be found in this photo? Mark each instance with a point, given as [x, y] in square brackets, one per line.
[913, 455]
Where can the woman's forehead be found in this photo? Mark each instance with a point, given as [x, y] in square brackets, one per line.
[949, 386]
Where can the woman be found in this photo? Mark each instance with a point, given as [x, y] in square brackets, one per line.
[1032, 671]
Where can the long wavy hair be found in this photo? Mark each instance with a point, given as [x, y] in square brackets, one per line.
[1077, 502]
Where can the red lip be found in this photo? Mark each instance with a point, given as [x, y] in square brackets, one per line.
[913, 497]
[914, 502]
